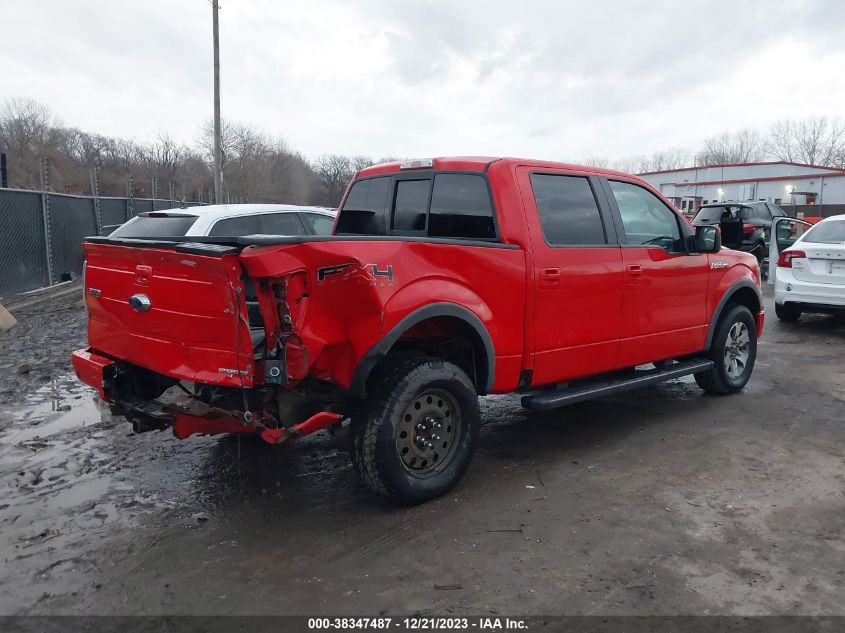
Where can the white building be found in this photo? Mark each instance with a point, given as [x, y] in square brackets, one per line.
[782, 183]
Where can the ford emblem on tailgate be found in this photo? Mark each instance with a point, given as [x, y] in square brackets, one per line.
[140, 303]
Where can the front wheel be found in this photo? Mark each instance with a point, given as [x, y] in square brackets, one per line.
[733, 352]
[414, 438]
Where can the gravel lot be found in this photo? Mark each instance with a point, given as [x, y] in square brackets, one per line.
[662, 501]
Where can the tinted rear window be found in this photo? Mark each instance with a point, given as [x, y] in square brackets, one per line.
[364, 210]
[827, 233]
[411, 205]
[568, 210]
[455, 205]
[147, 226]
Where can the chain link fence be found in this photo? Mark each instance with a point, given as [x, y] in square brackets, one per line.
[23, 252]
[41, 233]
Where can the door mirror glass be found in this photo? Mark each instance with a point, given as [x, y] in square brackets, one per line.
[708, 239]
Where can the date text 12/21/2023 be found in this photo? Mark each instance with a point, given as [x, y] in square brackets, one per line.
[418, 623]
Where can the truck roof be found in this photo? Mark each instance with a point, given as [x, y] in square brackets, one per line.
[481, 163]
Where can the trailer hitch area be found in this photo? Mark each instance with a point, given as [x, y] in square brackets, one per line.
[187, 416]
[192, 416]
[316, 422]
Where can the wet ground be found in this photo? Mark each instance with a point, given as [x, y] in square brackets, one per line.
[662, 501]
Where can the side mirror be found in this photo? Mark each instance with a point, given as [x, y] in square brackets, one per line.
[708, 239]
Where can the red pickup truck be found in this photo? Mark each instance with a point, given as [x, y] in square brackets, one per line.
[444, 279]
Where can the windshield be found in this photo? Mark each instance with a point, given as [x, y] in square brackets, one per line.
[721, 213]
[826, 233]
[152, 225]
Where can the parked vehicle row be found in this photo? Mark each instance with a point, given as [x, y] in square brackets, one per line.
[443, 279]
[745, 226]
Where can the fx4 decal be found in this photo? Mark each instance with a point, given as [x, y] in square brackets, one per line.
[370, 273]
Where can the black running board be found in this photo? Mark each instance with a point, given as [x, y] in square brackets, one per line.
[554, 398]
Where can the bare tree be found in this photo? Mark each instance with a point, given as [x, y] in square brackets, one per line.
[360, 162]
[744, 146]
[779, 143]
[815, 141]
[334, 172]
[674, 158]
[26, 133]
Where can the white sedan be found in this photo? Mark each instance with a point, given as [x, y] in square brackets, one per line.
[810, 275]
[229, 220]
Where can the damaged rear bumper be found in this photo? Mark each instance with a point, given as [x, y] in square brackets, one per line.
[186, 415]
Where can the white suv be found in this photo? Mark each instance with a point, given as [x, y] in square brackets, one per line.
[229, 220]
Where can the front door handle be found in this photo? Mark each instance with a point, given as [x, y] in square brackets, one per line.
[634, 274]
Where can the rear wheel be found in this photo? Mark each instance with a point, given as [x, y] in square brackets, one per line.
[733, 352]
[415, 437]
[788, 312]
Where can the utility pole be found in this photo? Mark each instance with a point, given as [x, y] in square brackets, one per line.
[218, 159]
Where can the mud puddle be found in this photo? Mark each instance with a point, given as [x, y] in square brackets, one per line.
[57, 486]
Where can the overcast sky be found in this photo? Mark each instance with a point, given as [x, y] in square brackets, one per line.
[545, 79]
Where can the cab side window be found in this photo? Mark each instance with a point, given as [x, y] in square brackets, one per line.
[364, 211]
[569, 213]
[461, 208]
[646, 220]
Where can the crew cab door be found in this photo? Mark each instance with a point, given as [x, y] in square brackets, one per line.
[577, 274]
[664, 297]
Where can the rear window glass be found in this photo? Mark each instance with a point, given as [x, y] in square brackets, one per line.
[827, 233]
[364, 210]
[411, 205]
[569, 214]
[722, 213]
[455, 205]
[758, 212]
[147, 226]
[460, 207]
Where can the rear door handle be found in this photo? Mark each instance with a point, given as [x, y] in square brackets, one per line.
[549, 277]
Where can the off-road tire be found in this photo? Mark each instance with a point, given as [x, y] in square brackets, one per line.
[717, 379]
[787, 313]
[375, 429]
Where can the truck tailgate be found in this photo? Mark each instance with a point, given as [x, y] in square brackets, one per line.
[175, 309]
